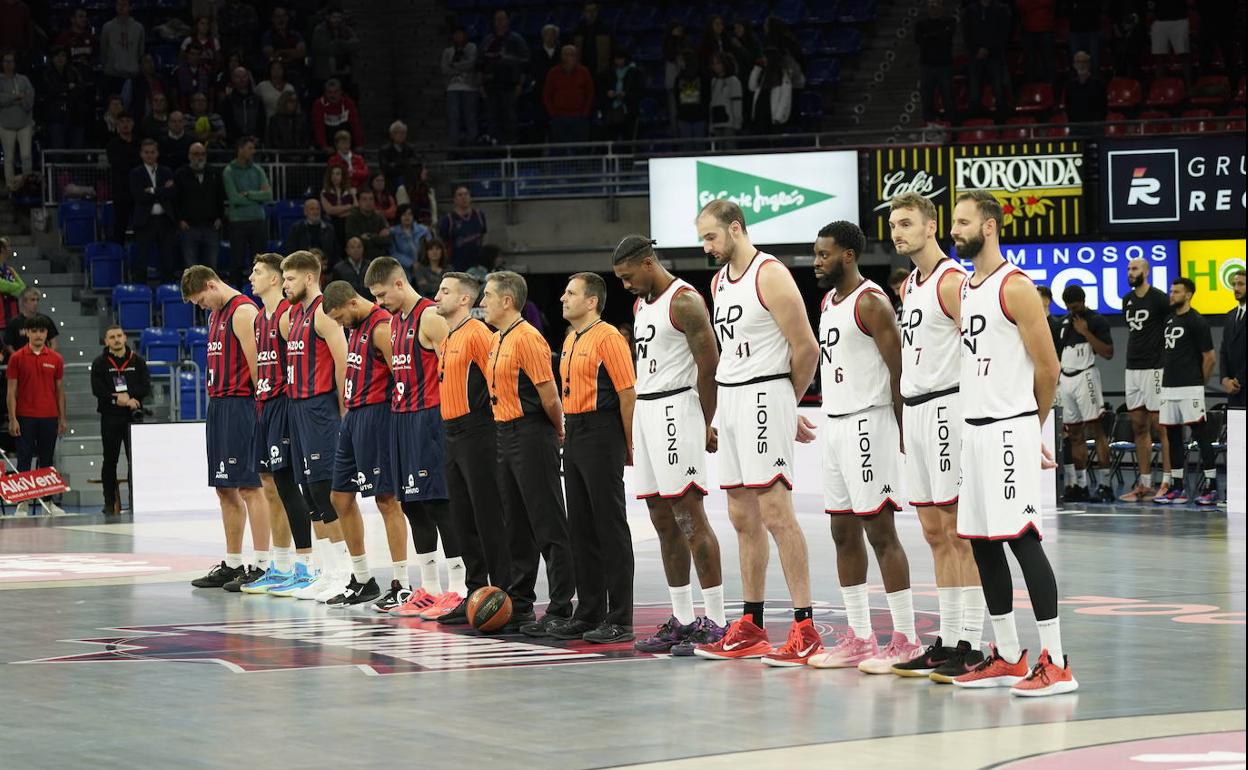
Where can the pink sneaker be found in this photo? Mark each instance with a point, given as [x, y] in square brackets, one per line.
[898, 650]
[418, 602]
[848, 652]
[442, 605]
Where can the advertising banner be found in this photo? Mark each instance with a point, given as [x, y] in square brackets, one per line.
[31, 485]
[1172, 184]
[1210, 265]
[897, 170]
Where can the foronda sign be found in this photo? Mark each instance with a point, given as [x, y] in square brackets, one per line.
[786, 197]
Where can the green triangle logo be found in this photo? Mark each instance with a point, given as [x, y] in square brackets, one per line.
[759, 197]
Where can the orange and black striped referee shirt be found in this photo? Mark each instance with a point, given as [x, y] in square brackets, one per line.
[596, 364]
[519, 361]
[461, 370]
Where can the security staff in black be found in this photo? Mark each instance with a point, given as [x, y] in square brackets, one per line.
[596, 381]
[120, 382]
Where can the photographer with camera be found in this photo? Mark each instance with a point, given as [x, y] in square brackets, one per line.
[120, 382]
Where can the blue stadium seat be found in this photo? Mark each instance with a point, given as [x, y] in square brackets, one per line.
[286, 214]
[196, 346]
[174, 312]
[858, 11]
[642, 18]
[810, 41]
[823, 12]
[823, 72]
[104, 215]
[158, 344]
[132, 305]
[77, 222]
[810, 105]
[189, 385]
[106, 264]
[650, 49]
[791, 12]
[842, 41]
[752, 13]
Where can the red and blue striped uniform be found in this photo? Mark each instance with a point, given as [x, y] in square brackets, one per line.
[309, 365]
[228, 374]
[414, 367]
[368, 377]
[270, 354]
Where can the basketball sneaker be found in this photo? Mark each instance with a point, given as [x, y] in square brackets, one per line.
[23, 509]
[963, 661]
[1104, 494]
[1046, 678]
[898, 650]
[300, 577]
[337, 583]
[742, 640]
[419, 601]
[54, 509]
[995, 671]
[356, 593]
[273, 577]
[217, 577]
[250, 574]
[1139, 493]
[923, 664]
[1169, 493]
[441, 605]
[1208, 494]
[803, 641]
[569, 630]
[702, 631]
[539, 629]
[313, 589]
[848, 652]
[609, 633]
[458, 616]
[392, 598]
[667, 636]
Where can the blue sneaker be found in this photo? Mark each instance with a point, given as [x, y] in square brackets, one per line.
[301, 577]
[272, 578]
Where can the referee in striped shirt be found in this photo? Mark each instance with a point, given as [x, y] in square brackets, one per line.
[596, 377]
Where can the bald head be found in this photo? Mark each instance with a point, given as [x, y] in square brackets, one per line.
[1137, 274]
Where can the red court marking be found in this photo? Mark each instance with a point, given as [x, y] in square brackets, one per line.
[1208, 751]
[25, 567]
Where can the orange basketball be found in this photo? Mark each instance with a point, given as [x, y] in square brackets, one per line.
[489, 609]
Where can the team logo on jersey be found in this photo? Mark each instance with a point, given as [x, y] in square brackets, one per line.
[221, 474]
[779, 463]
[887, 490]
[691, 471]
[1030, 510]
[1174, 333]
[1137, 318]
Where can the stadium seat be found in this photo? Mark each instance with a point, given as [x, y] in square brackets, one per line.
[158, 344]
[175, 313]
[841, 41]
[77, 222]
[791, 12]
[286, 214]
[106, 264]
[1159, 122]
[857, 11]
[104, 217]
[649, 50]
[823, 73]
[1033, 98]
[1166, 93]
[1199, 122]
[132, 305]
[1211, 91]
[190, 403]
[642, 18]
[1018, 129]
[1123, 93]
[810, 108]
[977, 130]
[1058, 130]
[1239, 92]
[197, 347]
[823, 12]
[752, 13]
[1237, 119]
[810, 41]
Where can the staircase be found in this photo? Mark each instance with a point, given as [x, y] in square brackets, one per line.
[879, 91]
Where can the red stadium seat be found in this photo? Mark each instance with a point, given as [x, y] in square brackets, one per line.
[1205, 123]
[1119, 130]
[1018, 129]
[1060, 129]
[1211, 90]
[1033, 98]
[1166, 92]
[1159, 124]
[1123, 93]
[977, 130]
[1237, 123]
[1239, 92]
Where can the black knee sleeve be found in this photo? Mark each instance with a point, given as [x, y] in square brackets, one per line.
[306, 493]
[1200, 434]
[1038, 573]
[424, 529]
[1178, 452]
[324, 505]
[994, 575]
[296, 507]
[440, 512]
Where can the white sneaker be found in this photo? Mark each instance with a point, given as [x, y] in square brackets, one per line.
[22, 509]
[55, 509]
[313, 589]
[336, 585]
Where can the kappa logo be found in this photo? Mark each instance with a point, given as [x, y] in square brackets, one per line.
[780, 463]
[691, 471]
[1030, 510]
[763, 198]
[887, 490]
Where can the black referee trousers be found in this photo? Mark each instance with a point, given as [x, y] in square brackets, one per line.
[537, 525]
[593, 474]
[476, 510]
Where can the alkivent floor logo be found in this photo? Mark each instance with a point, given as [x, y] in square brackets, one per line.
[758, 196]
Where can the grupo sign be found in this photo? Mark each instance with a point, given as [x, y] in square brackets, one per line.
[1040, 184]
[1173, 183]
[786, 197]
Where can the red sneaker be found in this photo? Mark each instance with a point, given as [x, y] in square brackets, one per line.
[743, 640]
[803, 642]
[1046, 678]
[995, 671]
[418, 602]
[442, 604]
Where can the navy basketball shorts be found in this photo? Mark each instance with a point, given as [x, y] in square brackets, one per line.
[313, 436]
[417, 455]
[273, 434]
[360, 463]
[231, 433]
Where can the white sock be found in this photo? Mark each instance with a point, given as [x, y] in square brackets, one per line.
[400, 572]
[455, 574]
[233, 560]
[342, 557]
[713, 601]
[1051, 639]
[950, 602]
[682, 603]
[262, 559]
[323, 555]
[972, 616]
[1006, 633]
[429, 579]
[857, 610]
[359, 568]
[901, 605]
[1142, 481]
[1082, 476]
[1069, 473]
[282, 558]
[1211, 474]
[1176, 476]
[305, 559]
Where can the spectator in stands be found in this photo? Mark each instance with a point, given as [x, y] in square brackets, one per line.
[152, 188]
[288, 129]
[237, 25]
[199, 203]
[744, 48]
[459, 67]
[11, 285]
[123, 154]
[1170, 34]
[772, 82]
[463, 229]
[208, 126]
[119, 381]
[223, 84]
[274, 88]
[622, 87]
[569, 98]
[17, 28]
[504, 56]
[1085, 93]
[337, 200]
[396, 155]
[1130, 44]
[429, 268]
[674, 45]
[122, 40]
[934, 37]
[777, 34]
[1085, 28]
[177, 141]
[351, 162]
[27, 310]
[541, 60]
[352, 268]
[986, 28]
[408, 238]
[714, 40]
[243, 111]
[282, 43]
[693, 96]
[205, 40]
[246, 191]
[366, 223]
[326, 272]
[312, 233]
[725, 118]
[334, 111]
[593, 40]
[144, 87]
[1036, 22]
[383, 200]
[36, 400]
[417, 192]
[156, 124]
[334, 43]
[106, 129]
[17, 121]
[68, 103]
[192, 76]
[79, 40]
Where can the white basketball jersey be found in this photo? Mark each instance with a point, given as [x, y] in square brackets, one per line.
[930, 337]
[997, 373]
[664, 361]
[751, 345]
[853, 374]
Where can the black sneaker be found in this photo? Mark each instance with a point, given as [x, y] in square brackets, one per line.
[570, 629]
[356, 593]
[1105, 494]
[962, 661]
[541, 628]
[518, 621]
[1076, 494]
[935, 656]
[393, 598]
[609, 633]
[217, 577]
[457, 616]
[248, 574]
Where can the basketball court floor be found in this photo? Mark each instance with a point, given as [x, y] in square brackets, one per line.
[118, 662]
